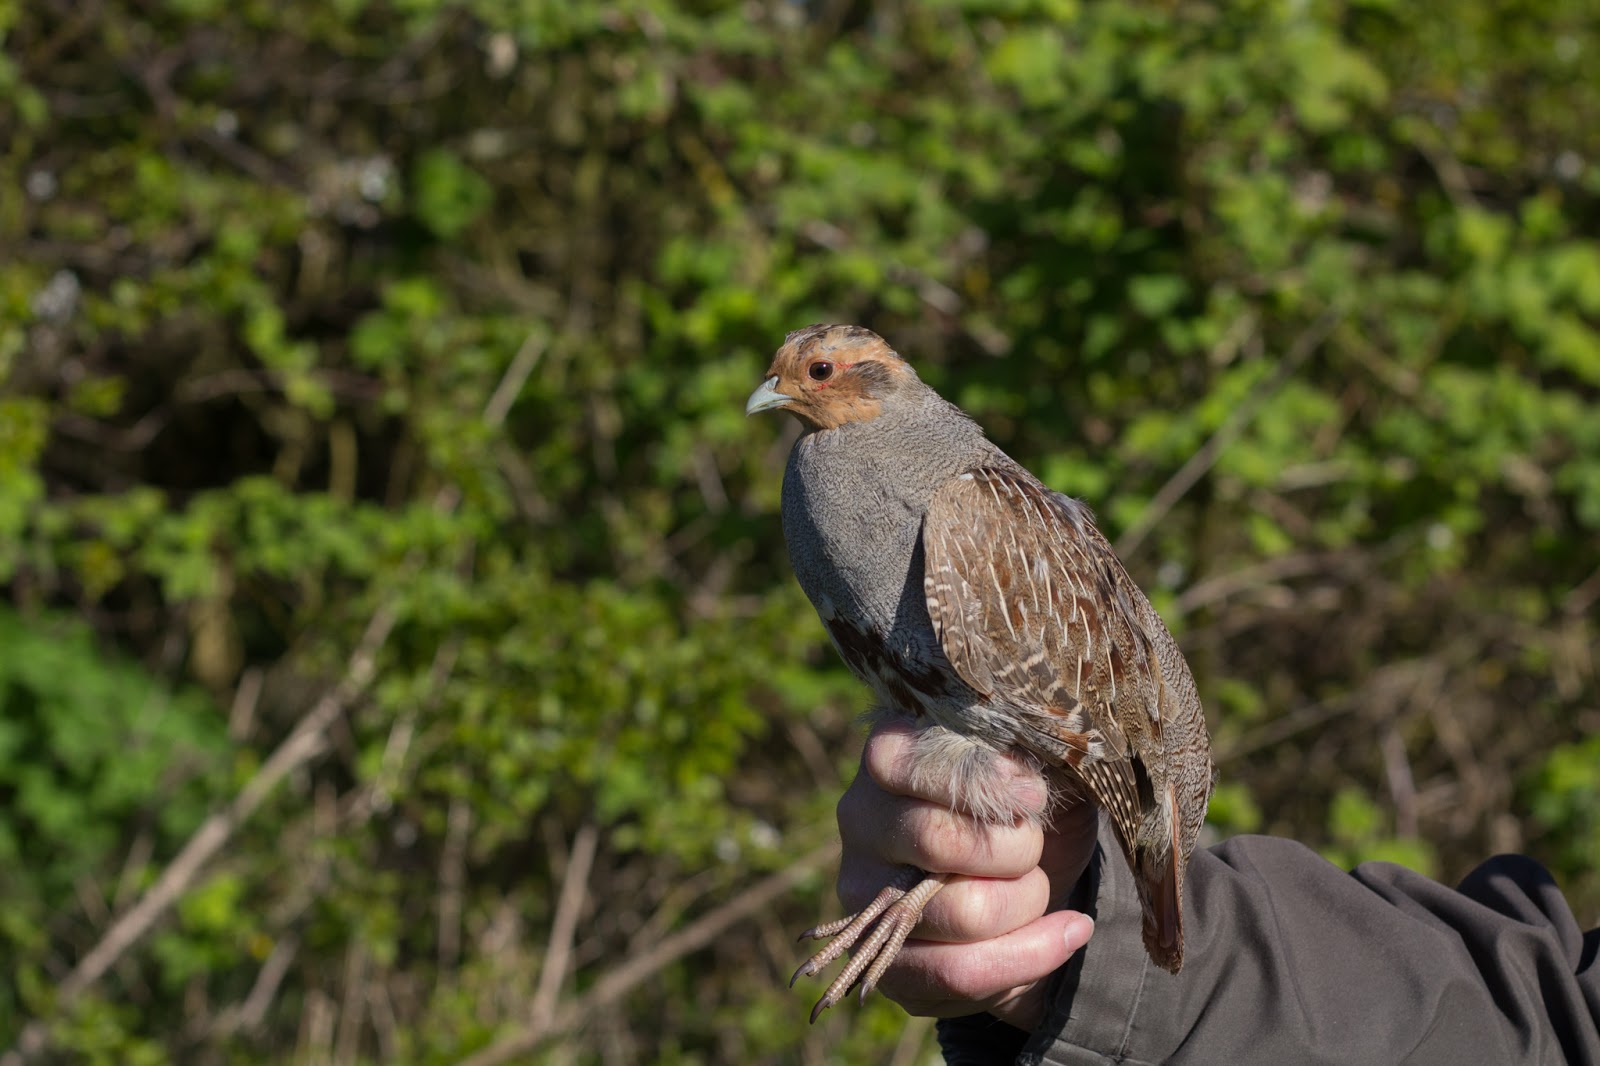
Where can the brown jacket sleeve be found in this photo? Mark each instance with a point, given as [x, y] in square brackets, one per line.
[1289, 959]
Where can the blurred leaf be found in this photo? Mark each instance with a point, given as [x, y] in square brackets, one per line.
[450, 195]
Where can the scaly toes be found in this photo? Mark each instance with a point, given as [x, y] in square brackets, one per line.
[845, 932]
[892, 916]
[898, 923]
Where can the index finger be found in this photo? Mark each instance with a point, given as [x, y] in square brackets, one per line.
[896, 747]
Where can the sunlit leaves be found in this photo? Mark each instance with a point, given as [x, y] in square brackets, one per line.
[286, 280]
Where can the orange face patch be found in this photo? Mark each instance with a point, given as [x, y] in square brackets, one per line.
[832, 374]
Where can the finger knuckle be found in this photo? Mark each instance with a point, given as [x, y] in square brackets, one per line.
[973, 911]
[886, 759]
[988, 907]
[945, 838]
[965, 846]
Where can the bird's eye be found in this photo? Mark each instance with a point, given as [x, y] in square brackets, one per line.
[821, 370]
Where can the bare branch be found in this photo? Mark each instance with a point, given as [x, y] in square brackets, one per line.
[1402, 784]
[628, 975]
[384, 1022]
[385, 785]
[516, 375]
[242, 715]
[352, 1005]
[1247, 579]
[139, 853]
[452, 881]
[253, 1011]
[308, 740]
[564, 926]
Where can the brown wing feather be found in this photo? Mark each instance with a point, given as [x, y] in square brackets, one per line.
[1032, 607]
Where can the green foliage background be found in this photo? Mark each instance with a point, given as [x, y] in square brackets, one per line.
[442, 314]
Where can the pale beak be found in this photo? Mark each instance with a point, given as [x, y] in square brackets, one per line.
[767, 397]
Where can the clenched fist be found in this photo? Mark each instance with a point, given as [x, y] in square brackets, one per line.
[991, 937]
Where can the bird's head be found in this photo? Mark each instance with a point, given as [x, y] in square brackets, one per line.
[829, 375]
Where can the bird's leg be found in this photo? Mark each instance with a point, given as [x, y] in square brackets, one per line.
[896, 911]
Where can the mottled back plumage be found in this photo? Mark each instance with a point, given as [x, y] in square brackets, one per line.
[976, 600]
[1035, 611]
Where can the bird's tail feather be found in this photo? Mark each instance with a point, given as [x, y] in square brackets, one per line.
[1159, 875]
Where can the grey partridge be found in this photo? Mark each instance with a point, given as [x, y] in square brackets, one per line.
[990, 610]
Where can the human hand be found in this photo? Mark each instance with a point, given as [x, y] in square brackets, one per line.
[989, 939]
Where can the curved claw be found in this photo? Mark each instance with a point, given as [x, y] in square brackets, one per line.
[806, 969]
[891, 916]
